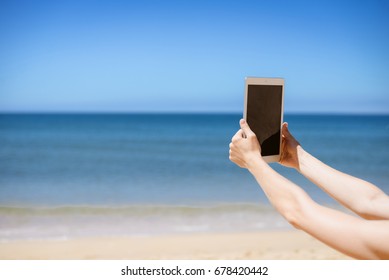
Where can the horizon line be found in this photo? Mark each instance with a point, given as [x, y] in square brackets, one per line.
[145, 112]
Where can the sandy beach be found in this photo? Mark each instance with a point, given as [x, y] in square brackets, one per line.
[272, 245]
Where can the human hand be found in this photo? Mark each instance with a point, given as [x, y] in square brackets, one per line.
[244, 146]
[289, 146]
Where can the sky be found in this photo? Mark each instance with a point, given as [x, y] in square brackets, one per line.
[192, 56]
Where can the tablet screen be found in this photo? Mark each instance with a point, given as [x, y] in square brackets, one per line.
[264, 105]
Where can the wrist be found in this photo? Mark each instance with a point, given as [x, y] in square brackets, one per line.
[254, 160]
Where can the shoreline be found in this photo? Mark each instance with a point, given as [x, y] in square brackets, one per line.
[272, 245]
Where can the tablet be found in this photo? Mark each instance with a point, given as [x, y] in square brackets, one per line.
[263, 111]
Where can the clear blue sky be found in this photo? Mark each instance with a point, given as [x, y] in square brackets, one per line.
[192, 55]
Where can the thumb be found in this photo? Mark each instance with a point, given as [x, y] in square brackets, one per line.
[285, 130]
[245, 127]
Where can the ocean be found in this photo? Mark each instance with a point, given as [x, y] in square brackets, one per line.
[79, 175]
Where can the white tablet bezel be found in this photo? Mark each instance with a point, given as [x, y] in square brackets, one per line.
[266, 81]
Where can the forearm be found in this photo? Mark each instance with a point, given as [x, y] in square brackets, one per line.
[289, 199]
[336, 229]
[353, 193]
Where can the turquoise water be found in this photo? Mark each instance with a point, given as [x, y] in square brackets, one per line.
[137, 174]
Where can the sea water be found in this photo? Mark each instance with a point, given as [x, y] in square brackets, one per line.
[72, 175]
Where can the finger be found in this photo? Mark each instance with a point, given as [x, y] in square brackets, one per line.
[245, 127]
[237, 161]
[230, 152]
[231, 157]
[238, 135]
[285, 130]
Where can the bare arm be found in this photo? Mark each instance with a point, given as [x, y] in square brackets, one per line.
[360, 196]
[351, 235]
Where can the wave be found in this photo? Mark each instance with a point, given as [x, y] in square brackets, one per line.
[35, 222]
[134, 210]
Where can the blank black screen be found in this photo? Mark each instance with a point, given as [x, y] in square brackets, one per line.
[264, 104]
